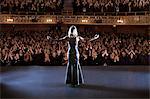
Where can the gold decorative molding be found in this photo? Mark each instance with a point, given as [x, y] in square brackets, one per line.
[75, 19]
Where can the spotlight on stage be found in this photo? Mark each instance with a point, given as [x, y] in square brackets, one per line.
[10, 20]
[49, 20]
[84, 21]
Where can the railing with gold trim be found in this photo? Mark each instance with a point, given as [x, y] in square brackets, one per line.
[75, 19]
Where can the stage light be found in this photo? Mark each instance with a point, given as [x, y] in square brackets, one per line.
[10, 20]
[49, 20]
[84, 21]
[120, 21]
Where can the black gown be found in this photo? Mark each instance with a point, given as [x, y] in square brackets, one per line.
[74, 74]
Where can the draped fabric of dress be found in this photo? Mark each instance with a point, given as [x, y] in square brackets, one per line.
[74, 74]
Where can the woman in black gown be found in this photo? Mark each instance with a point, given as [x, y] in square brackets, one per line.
[74, 74]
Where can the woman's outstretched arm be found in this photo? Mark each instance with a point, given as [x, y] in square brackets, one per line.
[63, 38]
[94, 38]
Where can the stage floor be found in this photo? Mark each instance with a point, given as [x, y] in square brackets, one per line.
[47, 82]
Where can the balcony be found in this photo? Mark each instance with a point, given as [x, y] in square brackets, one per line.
[67, 18]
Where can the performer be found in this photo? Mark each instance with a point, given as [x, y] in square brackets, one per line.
[74, 74]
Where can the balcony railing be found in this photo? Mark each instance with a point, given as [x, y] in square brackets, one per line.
[75, 19]
[67, 12]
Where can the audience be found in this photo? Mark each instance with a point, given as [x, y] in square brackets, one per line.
[40, 6]
[33, 48]
[111, 5]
